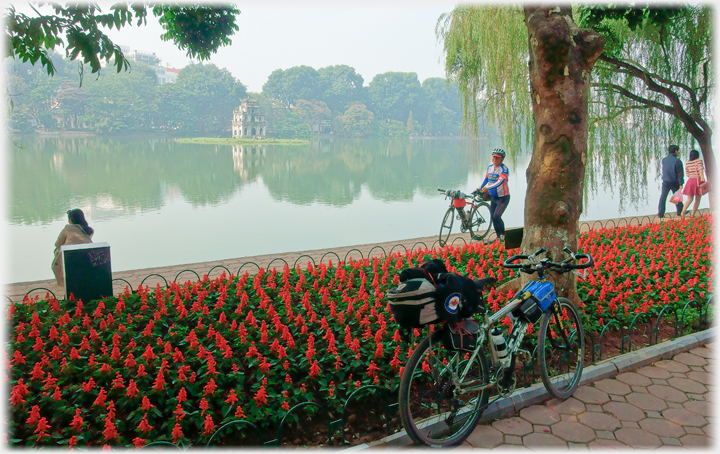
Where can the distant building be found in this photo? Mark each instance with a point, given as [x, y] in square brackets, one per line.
[248, 120]
[163, 74]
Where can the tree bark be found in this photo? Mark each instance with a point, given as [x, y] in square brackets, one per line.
[561, 59]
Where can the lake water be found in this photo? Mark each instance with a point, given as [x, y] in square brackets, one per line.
[158, 202]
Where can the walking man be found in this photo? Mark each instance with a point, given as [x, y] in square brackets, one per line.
[672, 178]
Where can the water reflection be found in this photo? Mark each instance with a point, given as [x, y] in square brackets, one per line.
[160, 203]
[130, 175]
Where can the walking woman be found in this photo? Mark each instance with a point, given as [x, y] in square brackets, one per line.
[695, 171]
[496, 184]
[77, 231]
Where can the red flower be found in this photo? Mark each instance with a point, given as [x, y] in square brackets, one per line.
[179, 412]
[264, 366]
[232, 398]
[141, 371]
[209, 388]
[144, 426]
[146, 405]
[74, 355]
[72, 442]
[132, 389]
[203, 406]
[56, 394]
[159, 384]
[182, 395]
[149, 355]
[209, 425]
[139, 442]
[252, 351]
[41, 429]
[314, 370]
[110, 432]
[260, 397]
[102, 396]
[239, 413]
[34, 416]
[87, 386]
[130, 360]
[177, 433]
[37, 372]
[379, 350]
[77, 421]
[372, 369]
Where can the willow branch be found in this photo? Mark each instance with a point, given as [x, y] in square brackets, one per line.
[639, 72]
[676, 107]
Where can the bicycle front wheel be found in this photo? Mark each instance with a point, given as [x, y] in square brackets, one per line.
[433, 410]
[561, 345]
[480, 221]
[446, 226]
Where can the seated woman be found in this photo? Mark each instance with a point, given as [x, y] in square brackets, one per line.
[77, 231]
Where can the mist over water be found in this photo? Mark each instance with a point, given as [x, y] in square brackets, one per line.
[158, 202]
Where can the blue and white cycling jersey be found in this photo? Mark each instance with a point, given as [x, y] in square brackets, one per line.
[496, 180]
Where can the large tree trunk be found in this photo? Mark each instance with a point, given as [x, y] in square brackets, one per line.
[561, 58]
[706, 151]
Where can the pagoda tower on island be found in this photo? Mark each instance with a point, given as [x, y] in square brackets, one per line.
[248, 120]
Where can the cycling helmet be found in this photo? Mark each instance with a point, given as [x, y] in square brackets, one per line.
[499, 152]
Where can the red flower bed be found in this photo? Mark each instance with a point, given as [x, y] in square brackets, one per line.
[175, 364]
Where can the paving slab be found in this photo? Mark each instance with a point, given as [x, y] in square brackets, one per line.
[629, 410]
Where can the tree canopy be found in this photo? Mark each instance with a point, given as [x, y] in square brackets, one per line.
[200, 29]
[651, 86]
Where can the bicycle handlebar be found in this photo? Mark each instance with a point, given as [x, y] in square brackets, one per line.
[456, 194]
[545, 263]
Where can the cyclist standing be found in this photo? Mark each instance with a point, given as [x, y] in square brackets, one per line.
[496, 184]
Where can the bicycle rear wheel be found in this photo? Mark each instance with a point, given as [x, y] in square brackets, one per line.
[432, 410]
[561, 343]
[481, 221]
[446, 226]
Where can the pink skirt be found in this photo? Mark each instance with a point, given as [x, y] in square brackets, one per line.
[692, 187]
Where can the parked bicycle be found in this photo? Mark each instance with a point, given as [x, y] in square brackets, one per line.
[476, 220]
[447, 382]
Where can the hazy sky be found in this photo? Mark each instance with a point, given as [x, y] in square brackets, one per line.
[371, 36]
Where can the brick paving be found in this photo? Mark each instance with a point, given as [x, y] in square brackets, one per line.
[631, 410]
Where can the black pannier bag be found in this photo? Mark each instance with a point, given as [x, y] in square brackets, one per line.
[461, 336]
[457, 298]
[413, 303]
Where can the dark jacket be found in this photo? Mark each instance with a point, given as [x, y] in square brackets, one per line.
[672, 170]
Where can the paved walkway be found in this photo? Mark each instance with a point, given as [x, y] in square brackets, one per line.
[668, 404]
[16, 291]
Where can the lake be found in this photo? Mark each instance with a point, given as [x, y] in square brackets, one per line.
[158, 202]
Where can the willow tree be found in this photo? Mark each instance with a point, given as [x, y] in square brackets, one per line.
[653, 84]
[560, 57]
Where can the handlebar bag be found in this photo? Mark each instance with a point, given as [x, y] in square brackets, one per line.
[412, 303]
[542, 292]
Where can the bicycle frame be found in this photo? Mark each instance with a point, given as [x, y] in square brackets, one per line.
[518, 332]
[460, 211]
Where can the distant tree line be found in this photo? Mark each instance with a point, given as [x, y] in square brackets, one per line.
[298, 102]
[305, 101]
